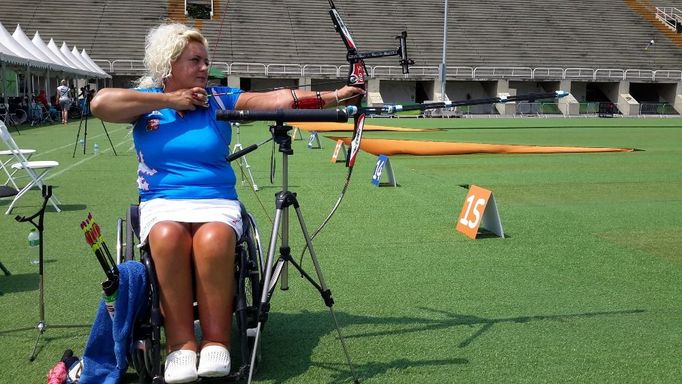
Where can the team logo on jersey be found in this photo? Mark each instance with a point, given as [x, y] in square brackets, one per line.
[152, 125]
[154, 120]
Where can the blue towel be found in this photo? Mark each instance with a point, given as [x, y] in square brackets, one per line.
[104, 359]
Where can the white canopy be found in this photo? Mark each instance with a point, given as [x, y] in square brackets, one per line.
[77, 55]
[87, 58]
[40, 44]
[6, 55]
[21, 38]
[18, 49]
[67, 53]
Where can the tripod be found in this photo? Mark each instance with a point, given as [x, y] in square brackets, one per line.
[84, 118]
[42, 324]
[283, 200]
[241, 161]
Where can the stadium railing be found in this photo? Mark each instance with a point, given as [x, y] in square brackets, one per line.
[453, 73]
[671, 17]
[658, 109]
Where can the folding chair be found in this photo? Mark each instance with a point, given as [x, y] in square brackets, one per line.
[39, 114]
[5, 164]
[36, 170]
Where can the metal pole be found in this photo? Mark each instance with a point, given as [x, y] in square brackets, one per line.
[442, 71]
[4, 83]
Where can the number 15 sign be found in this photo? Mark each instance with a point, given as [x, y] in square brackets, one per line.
[479, 211]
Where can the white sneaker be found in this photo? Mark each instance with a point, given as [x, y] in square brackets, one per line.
[214, 361]
[181, 367]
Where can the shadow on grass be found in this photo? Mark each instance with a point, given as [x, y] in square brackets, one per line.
[453, 320]
[24, 282]
[38, 341]
[289, 340]
[72, 207]
[48, 208]
[369, 370]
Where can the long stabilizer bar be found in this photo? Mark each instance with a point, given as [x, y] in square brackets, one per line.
[450, 104]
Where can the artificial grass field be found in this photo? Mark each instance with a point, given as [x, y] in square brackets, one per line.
[585, 288]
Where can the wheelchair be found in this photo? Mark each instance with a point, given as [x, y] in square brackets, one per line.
[146, 352]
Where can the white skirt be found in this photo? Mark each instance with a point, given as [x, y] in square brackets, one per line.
[189, 211]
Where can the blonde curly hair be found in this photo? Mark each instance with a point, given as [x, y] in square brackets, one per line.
[163, 46]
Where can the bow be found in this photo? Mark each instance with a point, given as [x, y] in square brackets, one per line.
[357, 75]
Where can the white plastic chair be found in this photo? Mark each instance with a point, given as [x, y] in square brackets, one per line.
[6, 163]
[36, 170]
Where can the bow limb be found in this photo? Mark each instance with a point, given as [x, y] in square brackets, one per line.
[357, 74]
[357, 77]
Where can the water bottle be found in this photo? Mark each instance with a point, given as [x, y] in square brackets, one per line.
[96, 149]
[34, 245]
[81, 142]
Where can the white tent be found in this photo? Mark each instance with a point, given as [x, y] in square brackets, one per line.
[67, 53]
[20, 52]
[7, 56]
[53, 48]
[77, 55]
[87, 58]
[8, 41]
[18, 49]
[21, 38]
[40, 44]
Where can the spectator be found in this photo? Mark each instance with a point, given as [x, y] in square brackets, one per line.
[64, 98]
[42, 99]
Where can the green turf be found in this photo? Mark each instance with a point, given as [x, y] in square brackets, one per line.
[585, 288]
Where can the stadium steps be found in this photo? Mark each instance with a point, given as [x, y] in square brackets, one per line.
[522, 33]
[648, 11]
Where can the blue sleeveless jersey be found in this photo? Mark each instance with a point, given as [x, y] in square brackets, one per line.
[183, 157]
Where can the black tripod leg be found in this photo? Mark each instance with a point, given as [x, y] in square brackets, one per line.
[5, 270]
[110, 143]
[269, 282]
[322, 287]
[78, 135]
[85, 132]
[41, 329]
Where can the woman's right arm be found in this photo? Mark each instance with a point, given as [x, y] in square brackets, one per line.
[119, 105]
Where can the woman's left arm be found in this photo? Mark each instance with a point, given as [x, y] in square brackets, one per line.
[288, 98]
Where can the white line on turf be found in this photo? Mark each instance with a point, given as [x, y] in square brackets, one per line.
[83, 160]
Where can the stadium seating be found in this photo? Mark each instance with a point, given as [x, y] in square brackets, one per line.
[521, 33]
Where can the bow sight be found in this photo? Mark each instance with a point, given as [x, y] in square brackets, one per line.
[356, 58]
[401, 51]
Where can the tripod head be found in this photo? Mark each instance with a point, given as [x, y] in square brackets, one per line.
[280, 130]
[280, 134]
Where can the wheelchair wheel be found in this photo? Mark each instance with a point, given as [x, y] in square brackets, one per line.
[249, 281]
[150, 331]
[145, 354]
[139, 360]
[130, 235]
[256, 267]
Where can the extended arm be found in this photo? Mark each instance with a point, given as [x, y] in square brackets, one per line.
[285, 98]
